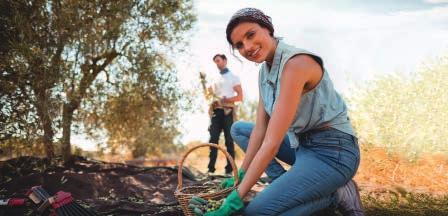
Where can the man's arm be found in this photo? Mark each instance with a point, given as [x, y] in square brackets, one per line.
[237, 97]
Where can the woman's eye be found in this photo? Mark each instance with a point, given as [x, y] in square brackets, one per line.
[238, 46]
[250, 35]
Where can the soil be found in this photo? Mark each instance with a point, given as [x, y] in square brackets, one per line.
[106, 188]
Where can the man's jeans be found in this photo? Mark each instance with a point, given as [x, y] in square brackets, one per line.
[323, 162]
[221, 122]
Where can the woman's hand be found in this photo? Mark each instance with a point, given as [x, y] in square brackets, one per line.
[232, 203]
[198, 205]
[229, 182]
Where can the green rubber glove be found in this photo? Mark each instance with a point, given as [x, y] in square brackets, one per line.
[198, 205]
[231, 204]
[228, 182]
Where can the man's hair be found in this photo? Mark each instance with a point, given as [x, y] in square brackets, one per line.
[220, 55]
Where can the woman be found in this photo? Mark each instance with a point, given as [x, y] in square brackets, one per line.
[301, 120]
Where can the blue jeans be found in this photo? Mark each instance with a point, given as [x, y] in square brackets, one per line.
[323, 162]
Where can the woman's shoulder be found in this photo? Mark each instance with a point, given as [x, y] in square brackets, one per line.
[291, 52]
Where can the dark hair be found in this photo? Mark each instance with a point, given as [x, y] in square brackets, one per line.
[251, 15]
[220, 55]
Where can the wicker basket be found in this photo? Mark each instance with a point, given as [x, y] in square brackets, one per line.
[184, 194]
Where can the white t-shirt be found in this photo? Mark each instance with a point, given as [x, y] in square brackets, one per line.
[223, 85]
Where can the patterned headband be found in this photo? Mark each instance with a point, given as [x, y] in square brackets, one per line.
[251, 15]
[254, 13]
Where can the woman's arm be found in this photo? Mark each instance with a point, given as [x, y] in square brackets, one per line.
[257, 135]
[299, 72]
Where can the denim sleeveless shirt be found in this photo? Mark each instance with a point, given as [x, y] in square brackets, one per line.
[322, 106]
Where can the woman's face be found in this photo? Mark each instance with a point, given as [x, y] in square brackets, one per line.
[253, 42]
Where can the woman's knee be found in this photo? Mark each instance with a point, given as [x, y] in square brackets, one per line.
[235, 129]
[241, 129]
[240, 132]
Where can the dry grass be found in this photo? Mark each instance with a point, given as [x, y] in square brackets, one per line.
[404, 114]
[380, 170]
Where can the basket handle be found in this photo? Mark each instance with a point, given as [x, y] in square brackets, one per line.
[181, 162]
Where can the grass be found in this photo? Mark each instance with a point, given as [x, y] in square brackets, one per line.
[405, 114]
[408, 204]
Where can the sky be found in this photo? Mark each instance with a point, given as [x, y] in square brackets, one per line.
[358, 41]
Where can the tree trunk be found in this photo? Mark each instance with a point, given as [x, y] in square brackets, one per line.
[44, 116]
[67, 119]
[48, 139]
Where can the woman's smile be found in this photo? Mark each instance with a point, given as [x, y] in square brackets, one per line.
[255, 54]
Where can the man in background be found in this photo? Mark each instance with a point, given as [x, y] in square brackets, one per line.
[226, 90]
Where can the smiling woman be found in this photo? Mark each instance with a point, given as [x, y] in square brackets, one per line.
[298, 104]
[260, 32]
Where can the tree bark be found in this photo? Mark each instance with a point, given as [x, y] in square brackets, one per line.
[43, 113]
[67, 119]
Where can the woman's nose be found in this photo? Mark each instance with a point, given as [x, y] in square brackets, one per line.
[247, 46]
